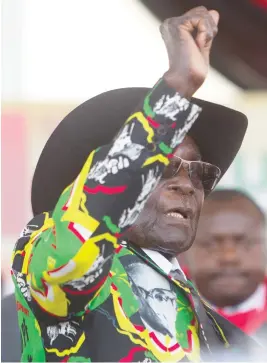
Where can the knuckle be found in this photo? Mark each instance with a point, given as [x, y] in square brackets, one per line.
[205, 22]
[163, 28]
[166, 23]
[200, 10]
[170, 25]
[209, 36]
[209, 21]
[174, 21]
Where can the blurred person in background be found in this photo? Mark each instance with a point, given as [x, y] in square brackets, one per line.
[228, 260]
[86, 294]
[10, 336]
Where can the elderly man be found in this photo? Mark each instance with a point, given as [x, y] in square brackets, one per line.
[135, 200]
[228, 260]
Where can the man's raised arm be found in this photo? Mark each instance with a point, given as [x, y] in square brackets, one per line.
[65, 256]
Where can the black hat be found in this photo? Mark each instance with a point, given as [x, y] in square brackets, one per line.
[218, 132]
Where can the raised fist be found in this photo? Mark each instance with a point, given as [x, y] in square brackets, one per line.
[188, 39]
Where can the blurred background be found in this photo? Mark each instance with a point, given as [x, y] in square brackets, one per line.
[58, 53]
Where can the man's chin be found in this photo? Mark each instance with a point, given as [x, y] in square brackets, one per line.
[172, 241]
[177, 238]
[225, 300]
[230, 295]
[173, 247]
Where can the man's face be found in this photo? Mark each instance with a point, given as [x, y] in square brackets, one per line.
[227, 259]
[159, 229]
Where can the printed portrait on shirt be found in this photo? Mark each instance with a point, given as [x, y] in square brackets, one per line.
[146, 309]
[155, 295]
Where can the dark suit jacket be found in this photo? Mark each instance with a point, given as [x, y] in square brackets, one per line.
[10, 336]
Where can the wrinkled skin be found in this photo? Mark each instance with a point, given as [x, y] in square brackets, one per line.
[153, 228]
[227, 261]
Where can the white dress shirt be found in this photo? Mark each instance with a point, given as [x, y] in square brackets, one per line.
[166, 265]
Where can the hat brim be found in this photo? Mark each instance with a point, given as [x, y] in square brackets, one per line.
[218, 132]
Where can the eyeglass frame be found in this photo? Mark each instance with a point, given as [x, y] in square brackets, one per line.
[188, 163]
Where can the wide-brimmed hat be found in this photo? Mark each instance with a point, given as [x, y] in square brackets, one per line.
[218, 132]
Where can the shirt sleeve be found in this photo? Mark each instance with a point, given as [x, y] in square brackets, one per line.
[65, 256]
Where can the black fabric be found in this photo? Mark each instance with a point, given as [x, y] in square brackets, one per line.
[10, 335]
[243, 347]
[219, 132]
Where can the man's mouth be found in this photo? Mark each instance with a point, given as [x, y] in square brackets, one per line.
[176, 215]
[229, 275]
[180, 213]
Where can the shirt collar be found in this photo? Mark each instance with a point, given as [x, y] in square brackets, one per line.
[166, 265]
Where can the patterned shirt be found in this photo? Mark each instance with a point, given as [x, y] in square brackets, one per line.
[82, 293]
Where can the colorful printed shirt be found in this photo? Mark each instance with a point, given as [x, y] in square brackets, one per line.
[84, 294]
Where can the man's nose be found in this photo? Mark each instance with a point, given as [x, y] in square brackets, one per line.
[229, 252]
[181, 182]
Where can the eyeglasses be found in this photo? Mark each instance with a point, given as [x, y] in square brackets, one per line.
[157, 294]
[201, 174]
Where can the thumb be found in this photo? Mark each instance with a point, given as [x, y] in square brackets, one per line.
[215, 16]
